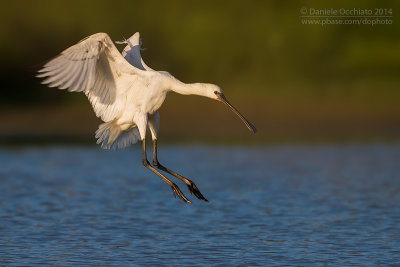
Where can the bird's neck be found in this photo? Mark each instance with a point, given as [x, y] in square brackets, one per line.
[189, 88]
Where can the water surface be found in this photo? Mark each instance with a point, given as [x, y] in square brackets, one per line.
[288, 205]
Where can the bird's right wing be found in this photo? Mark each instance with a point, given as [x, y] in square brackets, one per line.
[93, 66]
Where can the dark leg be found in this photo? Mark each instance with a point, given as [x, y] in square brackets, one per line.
[192, 187]
[175, 188]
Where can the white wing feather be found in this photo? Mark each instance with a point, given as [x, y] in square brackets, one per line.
[132, 54]
[93, 66]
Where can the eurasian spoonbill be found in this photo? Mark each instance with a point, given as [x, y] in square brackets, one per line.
[125, 93]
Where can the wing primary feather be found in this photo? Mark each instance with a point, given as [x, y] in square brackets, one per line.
[91, 75]
[64, 83]
[75, 86]
[59, 75]
[93, 66]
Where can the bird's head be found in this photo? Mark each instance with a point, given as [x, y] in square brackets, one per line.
[213, 91]
[210, 90]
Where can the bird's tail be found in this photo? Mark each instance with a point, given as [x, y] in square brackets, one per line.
[111, 136]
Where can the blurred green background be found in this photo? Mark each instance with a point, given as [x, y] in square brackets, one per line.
[296, 82]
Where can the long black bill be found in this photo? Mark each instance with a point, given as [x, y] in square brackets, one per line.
[249, 125]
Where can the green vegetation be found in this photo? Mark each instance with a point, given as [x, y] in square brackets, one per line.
[295, 81]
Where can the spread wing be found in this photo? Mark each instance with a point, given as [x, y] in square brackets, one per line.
[131, 52]
[93, 66]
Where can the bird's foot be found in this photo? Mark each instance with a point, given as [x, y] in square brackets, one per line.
[176, 191]
[194, 190]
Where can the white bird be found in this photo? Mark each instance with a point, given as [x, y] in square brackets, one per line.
[125, 93]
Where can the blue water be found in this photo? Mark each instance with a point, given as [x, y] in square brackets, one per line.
[288, 205]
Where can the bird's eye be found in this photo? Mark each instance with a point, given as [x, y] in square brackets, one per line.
[217, 93]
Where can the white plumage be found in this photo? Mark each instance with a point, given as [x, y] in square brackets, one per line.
[124, 92]
[112, 84]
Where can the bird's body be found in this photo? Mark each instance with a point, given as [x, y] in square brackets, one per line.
[124, 92]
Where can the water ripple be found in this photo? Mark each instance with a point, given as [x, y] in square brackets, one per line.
[290, 205]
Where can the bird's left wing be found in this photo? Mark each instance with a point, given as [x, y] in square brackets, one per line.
[131, 52]
[94, 66]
